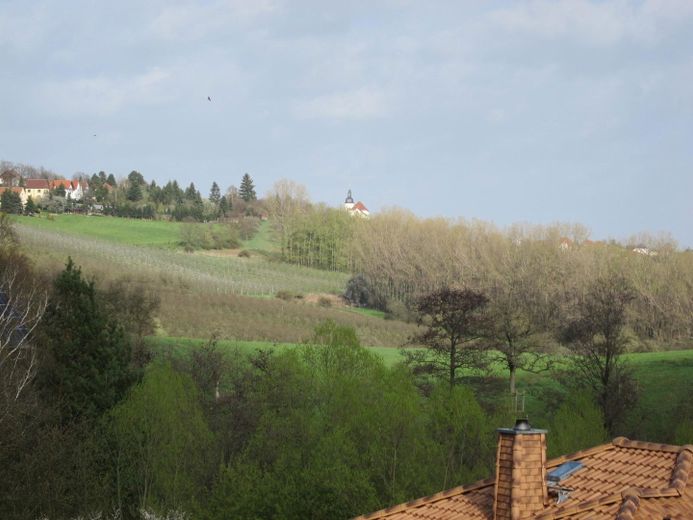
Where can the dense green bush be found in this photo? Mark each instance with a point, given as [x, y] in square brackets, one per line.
[196, 236]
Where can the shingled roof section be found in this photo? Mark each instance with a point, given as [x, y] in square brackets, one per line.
[622, 480]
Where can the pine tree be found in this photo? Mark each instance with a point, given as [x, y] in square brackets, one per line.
[192, 194]
[224, 206]
[10, 202]
[134, 192]
[247, 189]
[136, 177]
[30, 207]
[87, 367]
[215, 194]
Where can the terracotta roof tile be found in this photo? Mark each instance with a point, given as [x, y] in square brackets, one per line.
[61, 182]
[37, 184]
[623, 480]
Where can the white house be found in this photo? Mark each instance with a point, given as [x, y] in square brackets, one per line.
[73, 189]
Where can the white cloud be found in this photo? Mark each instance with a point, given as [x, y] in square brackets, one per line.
[23, 29]
[190, 20]
[593, 23]
[363, 103]
[102, 95]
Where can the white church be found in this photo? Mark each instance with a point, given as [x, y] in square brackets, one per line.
[359, 209]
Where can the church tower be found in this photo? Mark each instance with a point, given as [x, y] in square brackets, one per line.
[348, 202]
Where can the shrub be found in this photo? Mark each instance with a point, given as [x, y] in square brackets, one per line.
[324, 301]
[397, 310]
[288, 295]
[244, 253]
[198, 236]
[357, 292]
[247, 227]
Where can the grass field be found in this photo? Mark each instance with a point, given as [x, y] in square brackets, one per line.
[262, 241]
[136, 232]
[112, 229]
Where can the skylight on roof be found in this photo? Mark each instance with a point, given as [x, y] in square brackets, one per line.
[564, 471]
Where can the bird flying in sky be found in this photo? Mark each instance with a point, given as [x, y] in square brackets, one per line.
[209, 98]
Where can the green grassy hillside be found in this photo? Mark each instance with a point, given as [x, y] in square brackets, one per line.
[263, 239]
[111, 229]
[202, 293]
[254, 276]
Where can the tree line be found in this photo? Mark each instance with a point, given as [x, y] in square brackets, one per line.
[532, 275]
[134, 197]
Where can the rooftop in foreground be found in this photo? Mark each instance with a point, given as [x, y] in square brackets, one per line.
[624, 480]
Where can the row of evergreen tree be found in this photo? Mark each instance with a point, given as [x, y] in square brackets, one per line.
[135, 197]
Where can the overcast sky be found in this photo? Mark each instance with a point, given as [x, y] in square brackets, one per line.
[540, 111]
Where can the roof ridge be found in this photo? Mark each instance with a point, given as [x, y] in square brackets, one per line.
[458, 490]
[629, 495]
[624, 442]
[679, 475]
[630, 504]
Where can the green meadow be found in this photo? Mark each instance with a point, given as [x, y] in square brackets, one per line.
[113, 229]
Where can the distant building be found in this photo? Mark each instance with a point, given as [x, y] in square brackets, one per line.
[348, 202]
[73, 189]
[357, 209]
[565, 243]
[10, 179]
[642, 249]
[37, 188]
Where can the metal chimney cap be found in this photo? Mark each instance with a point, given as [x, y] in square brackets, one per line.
[522, 425]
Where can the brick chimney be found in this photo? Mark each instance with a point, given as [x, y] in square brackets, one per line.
[520, 472]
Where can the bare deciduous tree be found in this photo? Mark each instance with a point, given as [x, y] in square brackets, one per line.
[284, 201]
[22, 303]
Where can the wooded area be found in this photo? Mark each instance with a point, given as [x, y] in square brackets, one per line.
[533, 275]
[102, 424]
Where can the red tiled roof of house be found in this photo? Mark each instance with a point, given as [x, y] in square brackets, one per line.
[622, 480]
[37, 184]
[61, 182]
[359, 206]
[15, 189]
